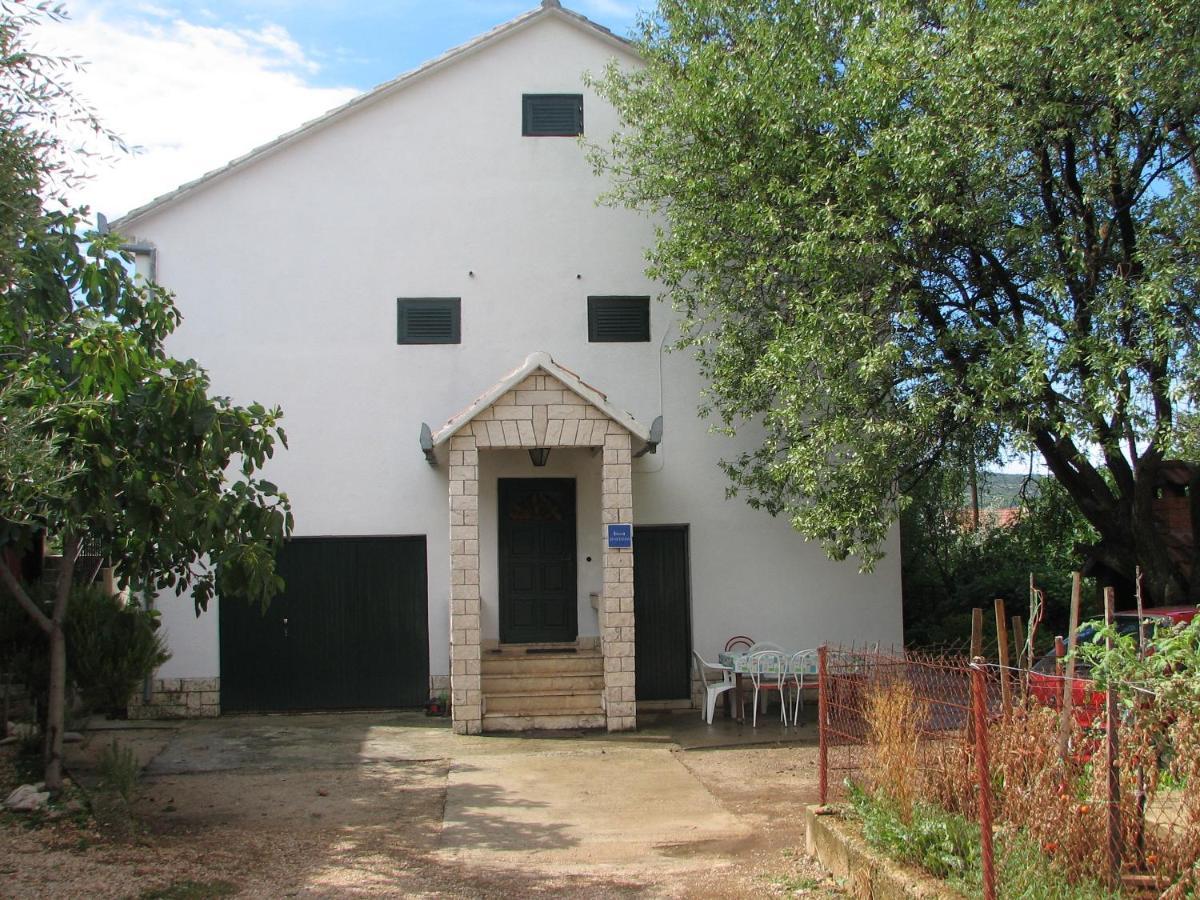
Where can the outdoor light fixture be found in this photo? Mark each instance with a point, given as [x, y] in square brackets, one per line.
[539, 455]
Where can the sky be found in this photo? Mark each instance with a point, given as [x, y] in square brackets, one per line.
[191, 86]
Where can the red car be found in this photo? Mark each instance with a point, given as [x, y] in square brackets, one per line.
[1088, 704]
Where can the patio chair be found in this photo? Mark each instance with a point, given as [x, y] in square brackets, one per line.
[768, 672]
[759, 646]
[802, 669]
[739, 642]
[715, 689]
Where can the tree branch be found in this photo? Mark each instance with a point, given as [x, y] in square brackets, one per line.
[18, 591]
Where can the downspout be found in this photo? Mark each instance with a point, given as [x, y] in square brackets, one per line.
[652, 445]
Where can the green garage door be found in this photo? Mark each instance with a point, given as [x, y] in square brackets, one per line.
[350, 630]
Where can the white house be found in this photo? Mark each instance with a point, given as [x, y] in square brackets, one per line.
[476, 383]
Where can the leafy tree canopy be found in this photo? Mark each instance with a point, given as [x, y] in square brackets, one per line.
[105, 439]
[902, 229]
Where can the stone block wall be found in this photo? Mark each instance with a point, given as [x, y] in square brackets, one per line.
[540, 411]
[466, 699]
[178, 698]
[616, 604]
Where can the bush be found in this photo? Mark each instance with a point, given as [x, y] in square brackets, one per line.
[111, 648]
[119, 769]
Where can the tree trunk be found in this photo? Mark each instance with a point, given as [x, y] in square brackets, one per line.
[56, 703]
[56, 709]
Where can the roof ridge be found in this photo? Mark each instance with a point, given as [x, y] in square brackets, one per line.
[547, 8]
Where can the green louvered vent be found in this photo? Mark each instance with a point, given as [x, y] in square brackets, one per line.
[428, 320]
[618, 319]
[551, 115]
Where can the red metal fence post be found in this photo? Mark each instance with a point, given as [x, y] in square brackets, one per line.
[1112, 759]
[983, 772]
[822, 720]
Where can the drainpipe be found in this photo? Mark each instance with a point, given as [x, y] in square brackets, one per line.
[656, 437]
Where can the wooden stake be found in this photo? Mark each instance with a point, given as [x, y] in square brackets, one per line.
[1141, 622]
[976, 633]
[1018, 627]
[1002, 647]
[1019, 645]
[1068, 694]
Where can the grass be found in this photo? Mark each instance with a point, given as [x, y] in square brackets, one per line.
[119, 769]
[947, 846]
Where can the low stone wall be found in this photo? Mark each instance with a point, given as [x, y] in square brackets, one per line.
[844, 853]
[179, 698]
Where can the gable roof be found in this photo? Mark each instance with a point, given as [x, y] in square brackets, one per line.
[571, 381]
[547, 9]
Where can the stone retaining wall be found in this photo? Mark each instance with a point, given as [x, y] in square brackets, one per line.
[179, 698]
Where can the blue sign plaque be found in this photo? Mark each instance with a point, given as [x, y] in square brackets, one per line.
[620, 536]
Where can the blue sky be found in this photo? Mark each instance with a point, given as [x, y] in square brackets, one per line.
[366, 43]
[194, 85]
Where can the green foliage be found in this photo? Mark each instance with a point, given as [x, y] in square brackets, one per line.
[111, 649]
[948, 569]
[1169, 672]
[894, 239]
[948, 846]
[118, 769]
[162, 476]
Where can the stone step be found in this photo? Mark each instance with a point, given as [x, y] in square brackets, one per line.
[536, 703]
[493, 722]
[588, 661]
[532, 682]
[521, 649]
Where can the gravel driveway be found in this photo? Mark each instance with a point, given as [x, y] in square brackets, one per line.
[389, 804]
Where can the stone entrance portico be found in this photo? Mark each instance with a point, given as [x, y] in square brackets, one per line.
[540, 405]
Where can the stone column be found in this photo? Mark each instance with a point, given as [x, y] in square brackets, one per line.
[466, 700]
[616, 608]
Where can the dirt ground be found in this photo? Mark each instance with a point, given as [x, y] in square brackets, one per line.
[344, 806]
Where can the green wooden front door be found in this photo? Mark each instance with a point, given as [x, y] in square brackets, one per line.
[537, 560]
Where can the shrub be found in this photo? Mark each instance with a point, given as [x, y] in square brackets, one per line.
[118, 769]
[111, 648]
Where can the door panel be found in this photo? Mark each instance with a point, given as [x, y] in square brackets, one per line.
[350, 630]
[537, 559]
[662, 612]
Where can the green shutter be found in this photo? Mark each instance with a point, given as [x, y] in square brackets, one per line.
[551, 115]
[428, 320]
[618, 319]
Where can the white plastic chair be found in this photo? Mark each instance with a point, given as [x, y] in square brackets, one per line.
[802, 669]
[714, 690]
[759, 646]
[768, 672]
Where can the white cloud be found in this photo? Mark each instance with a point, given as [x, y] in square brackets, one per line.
[190, 96]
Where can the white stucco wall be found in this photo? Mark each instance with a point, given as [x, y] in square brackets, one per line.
[287, 271]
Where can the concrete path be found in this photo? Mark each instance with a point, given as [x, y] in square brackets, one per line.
[582, 809]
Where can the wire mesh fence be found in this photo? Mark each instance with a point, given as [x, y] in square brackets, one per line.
[1103, 795]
